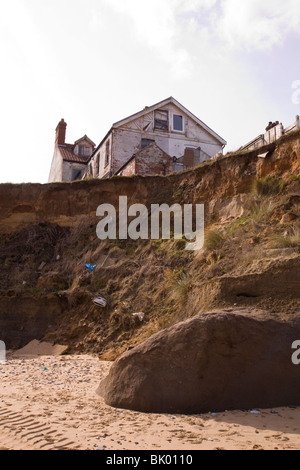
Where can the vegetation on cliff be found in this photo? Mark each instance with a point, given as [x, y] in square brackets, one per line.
[251, 255]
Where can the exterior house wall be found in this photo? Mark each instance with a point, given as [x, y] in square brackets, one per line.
[126, 139]
[88, 148]
[56, 169]
[125, 144]
[69, 161]
[192, 136]
[67, 170]
[273, 134]
[100, 157]
[149, 161]
[129, 169]
[153, 161]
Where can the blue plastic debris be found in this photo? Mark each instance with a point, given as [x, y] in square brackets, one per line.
[90, 267]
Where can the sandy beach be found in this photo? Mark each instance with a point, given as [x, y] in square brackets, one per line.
[49, 402]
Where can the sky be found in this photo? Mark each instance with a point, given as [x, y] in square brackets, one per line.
[234, 64]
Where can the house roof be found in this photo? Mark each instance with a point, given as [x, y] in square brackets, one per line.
[163, 103]
[68, 155]
[159, 105]
[87, 139]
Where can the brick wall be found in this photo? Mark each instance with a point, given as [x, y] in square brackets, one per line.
[152, 160]
[149, 161]
[129, 169]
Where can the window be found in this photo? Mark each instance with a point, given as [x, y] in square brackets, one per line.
[84, 151]
[177, 123]
[161, 120]
[97, 164]
[107, 151]
[76, 174]
[146, 142]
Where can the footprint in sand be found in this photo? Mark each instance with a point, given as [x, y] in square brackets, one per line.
[29, 429]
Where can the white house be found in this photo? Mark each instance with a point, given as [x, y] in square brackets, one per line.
[69, 161]
[169, 125]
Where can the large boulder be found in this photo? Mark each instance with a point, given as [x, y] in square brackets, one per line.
[214, 362]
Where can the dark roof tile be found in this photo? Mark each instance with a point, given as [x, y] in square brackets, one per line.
[67, 153]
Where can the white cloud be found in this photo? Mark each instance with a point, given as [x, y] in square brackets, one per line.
[94, 62]
[161, 27]
[257, 24]
[176, 30]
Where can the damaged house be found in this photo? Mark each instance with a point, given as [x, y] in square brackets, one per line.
[155, 141]
[273, 132]
[69, 161]
[159, 139]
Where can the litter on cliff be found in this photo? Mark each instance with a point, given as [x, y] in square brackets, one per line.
[41, 266]
[100, 301]
[263, 155]
[90, 267]
[84, 276]
[139, 315]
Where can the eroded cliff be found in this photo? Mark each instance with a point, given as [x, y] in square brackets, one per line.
[251, 255]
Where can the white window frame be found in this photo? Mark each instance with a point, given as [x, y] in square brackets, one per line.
[183, 123]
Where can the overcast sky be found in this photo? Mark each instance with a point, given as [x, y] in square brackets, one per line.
[234, 64]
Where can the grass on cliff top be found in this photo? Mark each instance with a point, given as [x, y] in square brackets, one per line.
[159, 277]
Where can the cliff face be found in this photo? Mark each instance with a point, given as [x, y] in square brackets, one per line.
[213, 184]
[48, 233]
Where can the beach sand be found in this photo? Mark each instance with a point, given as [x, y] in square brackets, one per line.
[49, 402]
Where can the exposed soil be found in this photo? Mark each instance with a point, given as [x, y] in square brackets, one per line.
[251, 255]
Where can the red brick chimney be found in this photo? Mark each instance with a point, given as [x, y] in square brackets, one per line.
[60, 133]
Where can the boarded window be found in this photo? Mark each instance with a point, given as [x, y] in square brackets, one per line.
[81, 150]
[146, 142]
[177, 122]
[161, 120]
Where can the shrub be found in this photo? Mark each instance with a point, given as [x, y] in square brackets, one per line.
[268, 185]
[214, 239]
[288, 240]
[261, 208]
